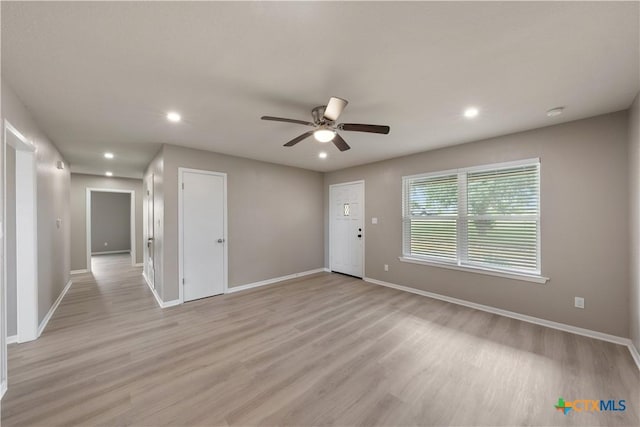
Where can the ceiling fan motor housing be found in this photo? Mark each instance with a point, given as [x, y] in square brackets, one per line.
[318, 115]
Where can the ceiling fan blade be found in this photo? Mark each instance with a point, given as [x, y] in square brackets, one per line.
[356, 127]
[340, 143]
[334, 108]
[297, 139]
[281, 119]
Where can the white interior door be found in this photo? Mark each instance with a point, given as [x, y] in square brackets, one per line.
[347, 228]
[203, 234]
[150, 242]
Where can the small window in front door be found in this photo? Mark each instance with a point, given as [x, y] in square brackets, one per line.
[346, 209]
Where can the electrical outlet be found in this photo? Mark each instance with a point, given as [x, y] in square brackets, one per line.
[579, 302]
[386, 267]
[106, 244]
[374, 220]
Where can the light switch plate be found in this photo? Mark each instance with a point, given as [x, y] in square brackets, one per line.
[374, 220]
[579, 302]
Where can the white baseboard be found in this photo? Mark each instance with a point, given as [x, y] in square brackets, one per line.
[138, 264]
[171, 303]
[271, 281]
[3, 389]
[53, 308]
[126, 251]
[326, 270]
[161, 303]
[79, 271]
[506, 313]
[634, 353]
[12, 339]
[153, 291]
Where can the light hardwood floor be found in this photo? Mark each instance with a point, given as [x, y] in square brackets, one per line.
[319, 350]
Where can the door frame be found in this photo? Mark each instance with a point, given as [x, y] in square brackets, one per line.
[132, 220]
[27, 244]
[364, 221]
[147, 200]
[225, 248]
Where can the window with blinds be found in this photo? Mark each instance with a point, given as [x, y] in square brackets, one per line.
[485, 217]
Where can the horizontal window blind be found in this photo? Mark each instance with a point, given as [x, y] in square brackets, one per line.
[488, 218]
[431, 214]
[503, 215]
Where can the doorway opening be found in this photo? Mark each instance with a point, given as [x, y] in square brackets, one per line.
[20, 251]
[111, 225]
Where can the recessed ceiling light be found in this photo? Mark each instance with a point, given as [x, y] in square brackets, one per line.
[555, 111]
[322, 155]
[471, 112]
[108, 155]
[109, 173]
[324, 134]
[174, 117]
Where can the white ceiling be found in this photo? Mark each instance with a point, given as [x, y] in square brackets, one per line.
[101, 76]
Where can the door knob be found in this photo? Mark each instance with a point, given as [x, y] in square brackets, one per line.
[220, 240]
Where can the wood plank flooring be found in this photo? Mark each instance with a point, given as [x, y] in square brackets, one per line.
[320, 350]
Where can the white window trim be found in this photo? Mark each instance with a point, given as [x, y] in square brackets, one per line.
[490, 272]
[459, 263]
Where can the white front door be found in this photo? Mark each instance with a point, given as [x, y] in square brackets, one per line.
[347, 228]
[203, 218]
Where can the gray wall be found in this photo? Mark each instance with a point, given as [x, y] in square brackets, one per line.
[110, 222]
[79, 185]
[10, 196]
[275, 223]
[52, 203]
[584, 182]
[634, 203]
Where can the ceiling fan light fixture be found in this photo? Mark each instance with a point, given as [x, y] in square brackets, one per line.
[324, 134]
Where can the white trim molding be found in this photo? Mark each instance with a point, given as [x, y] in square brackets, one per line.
[161, 303]
[513, 315]
[72, 272]
[274, 280]
[139, 264]
[634, 353]
[13, 339]
[153, 291]
[479, 270]
[124, 251]
[53, 308]
[26, 204]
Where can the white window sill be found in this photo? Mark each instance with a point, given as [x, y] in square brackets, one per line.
[509, 275]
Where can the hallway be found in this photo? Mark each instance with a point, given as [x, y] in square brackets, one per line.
[70, 364]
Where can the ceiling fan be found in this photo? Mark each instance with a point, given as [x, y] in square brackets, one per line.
[325, 126]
